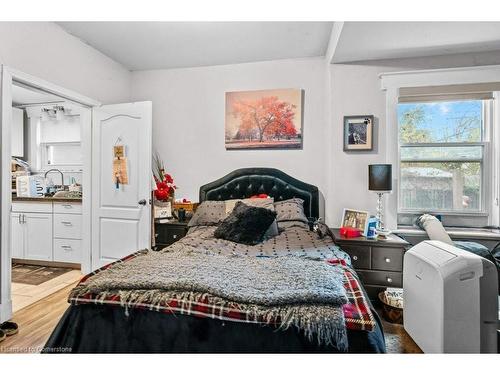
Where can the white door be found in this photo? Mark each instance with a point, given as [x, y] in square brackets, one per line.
[16, 236]
[38, 236]
[121, 215]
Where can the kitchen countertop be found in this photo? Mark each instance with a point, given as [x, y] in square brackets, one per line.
[44, 199]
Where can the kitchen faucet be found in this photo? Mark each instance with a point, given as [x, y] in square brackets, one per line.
[56, 170]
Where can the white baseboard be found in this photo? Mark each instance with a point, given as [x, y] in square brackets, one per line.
[5, 311]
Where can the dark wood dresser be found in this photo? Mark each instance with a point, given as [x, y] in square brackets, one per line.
[379, 263]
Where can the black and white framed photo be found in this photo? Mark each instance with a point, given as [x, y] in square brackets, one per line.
[358, 133]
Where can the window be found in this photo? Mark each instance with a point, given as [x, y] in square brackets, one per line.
[62, 155]
[443, 156]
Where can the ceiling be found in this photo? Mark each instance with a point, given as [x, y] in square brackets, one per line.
[361, 41]
[164, 45]
[25, 96]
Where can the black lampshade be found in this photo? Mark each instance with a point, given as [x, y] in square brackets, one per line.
[380, 177]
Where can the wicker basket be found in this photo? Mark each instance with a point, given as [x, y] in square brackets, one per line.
[391, 312]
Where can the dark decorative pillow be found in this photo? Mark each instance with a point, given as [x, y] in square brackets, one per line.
[246, 224]
[482, 251]
[476, 248]
[267, 203]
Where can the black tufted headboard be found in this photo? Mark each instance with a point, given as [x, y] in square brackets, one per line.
[245, 182]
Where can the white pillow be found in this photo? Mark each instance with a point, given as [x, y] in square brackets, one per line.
[434, 228]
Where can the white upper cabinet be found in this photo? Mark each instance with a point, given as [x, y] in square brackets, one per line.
[17, 132]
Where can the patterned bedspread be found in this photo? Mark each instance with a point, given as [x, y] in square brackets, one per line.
[295, 239]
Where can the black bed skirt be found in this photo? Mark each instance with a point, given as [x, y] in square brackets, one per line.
[106, 329]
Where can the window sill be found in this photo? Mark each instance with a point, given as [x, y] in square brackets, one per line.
[444, 213]
[455, 233]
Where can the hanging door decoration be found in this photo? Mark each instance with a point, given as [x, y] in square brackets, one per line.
[120, 175]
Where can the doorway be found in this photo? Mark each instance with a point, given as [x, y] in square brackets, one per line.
[45, 189]
[113, 218]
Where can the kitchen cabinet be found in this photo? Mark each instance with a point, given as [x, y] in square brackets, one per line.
[46, 231]
[17, 236]
[31, 236]
[67, 232]
[67, 250]
[38, 240]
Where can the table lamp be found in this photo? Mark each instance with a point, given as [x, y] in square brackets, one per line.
[380, 181]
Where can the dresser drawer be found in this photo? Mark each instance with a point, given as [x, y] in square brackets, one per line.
[360, 255]
[168, 234]
[69, 251]
[67, 208]
[387, 258]
[385, 278]
[68, 226]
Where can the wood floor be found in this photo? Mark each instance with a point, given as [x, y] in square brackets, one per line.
[396, 338]
[24, 294]
[37, 321]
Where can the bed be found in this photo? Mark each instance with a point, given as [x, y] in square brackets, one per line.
[151, 322]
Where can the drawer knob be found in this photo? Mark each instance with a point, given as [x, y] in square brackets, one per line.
[67, 206]
[389, 280]
[67, 223]
[66, 247]
[355, 257]
[388, 260]
[174, 236]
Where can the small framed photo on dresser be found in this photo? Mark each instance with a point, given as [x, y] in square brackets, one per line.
[356, 219]
[358, 133]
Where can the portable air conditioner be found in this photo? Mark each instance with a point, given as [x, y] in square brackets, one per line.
[450, 299]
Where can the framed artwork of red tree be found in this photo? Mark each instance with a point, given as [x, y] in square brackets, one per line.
[264, 119]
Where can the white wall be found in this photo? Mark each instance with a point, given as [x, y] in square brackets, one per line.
[188, 120]
[188, 107]
[355, 90]
[45, 50]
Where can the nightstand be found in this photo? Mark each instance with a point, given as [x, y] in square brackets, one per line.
[378, 263]
[168, 233]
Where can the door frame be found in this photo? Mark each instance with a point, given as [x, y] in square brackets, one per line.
[7, 78]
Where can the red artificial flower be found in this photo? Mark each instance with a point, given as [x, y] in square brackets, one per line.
[161, 185]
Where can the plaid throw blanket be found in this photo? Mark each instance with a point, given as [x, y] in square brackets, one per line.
[295, 291]
[357, 313]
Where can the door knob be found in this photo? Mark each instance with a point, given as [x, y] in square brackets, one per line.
[142, 202]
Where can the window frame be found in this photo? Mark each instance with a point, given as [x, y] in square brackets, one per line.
[391, 84]
[486, 167]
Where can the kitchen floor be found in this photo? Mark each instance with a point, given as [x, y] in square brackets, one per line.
[25, 293]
